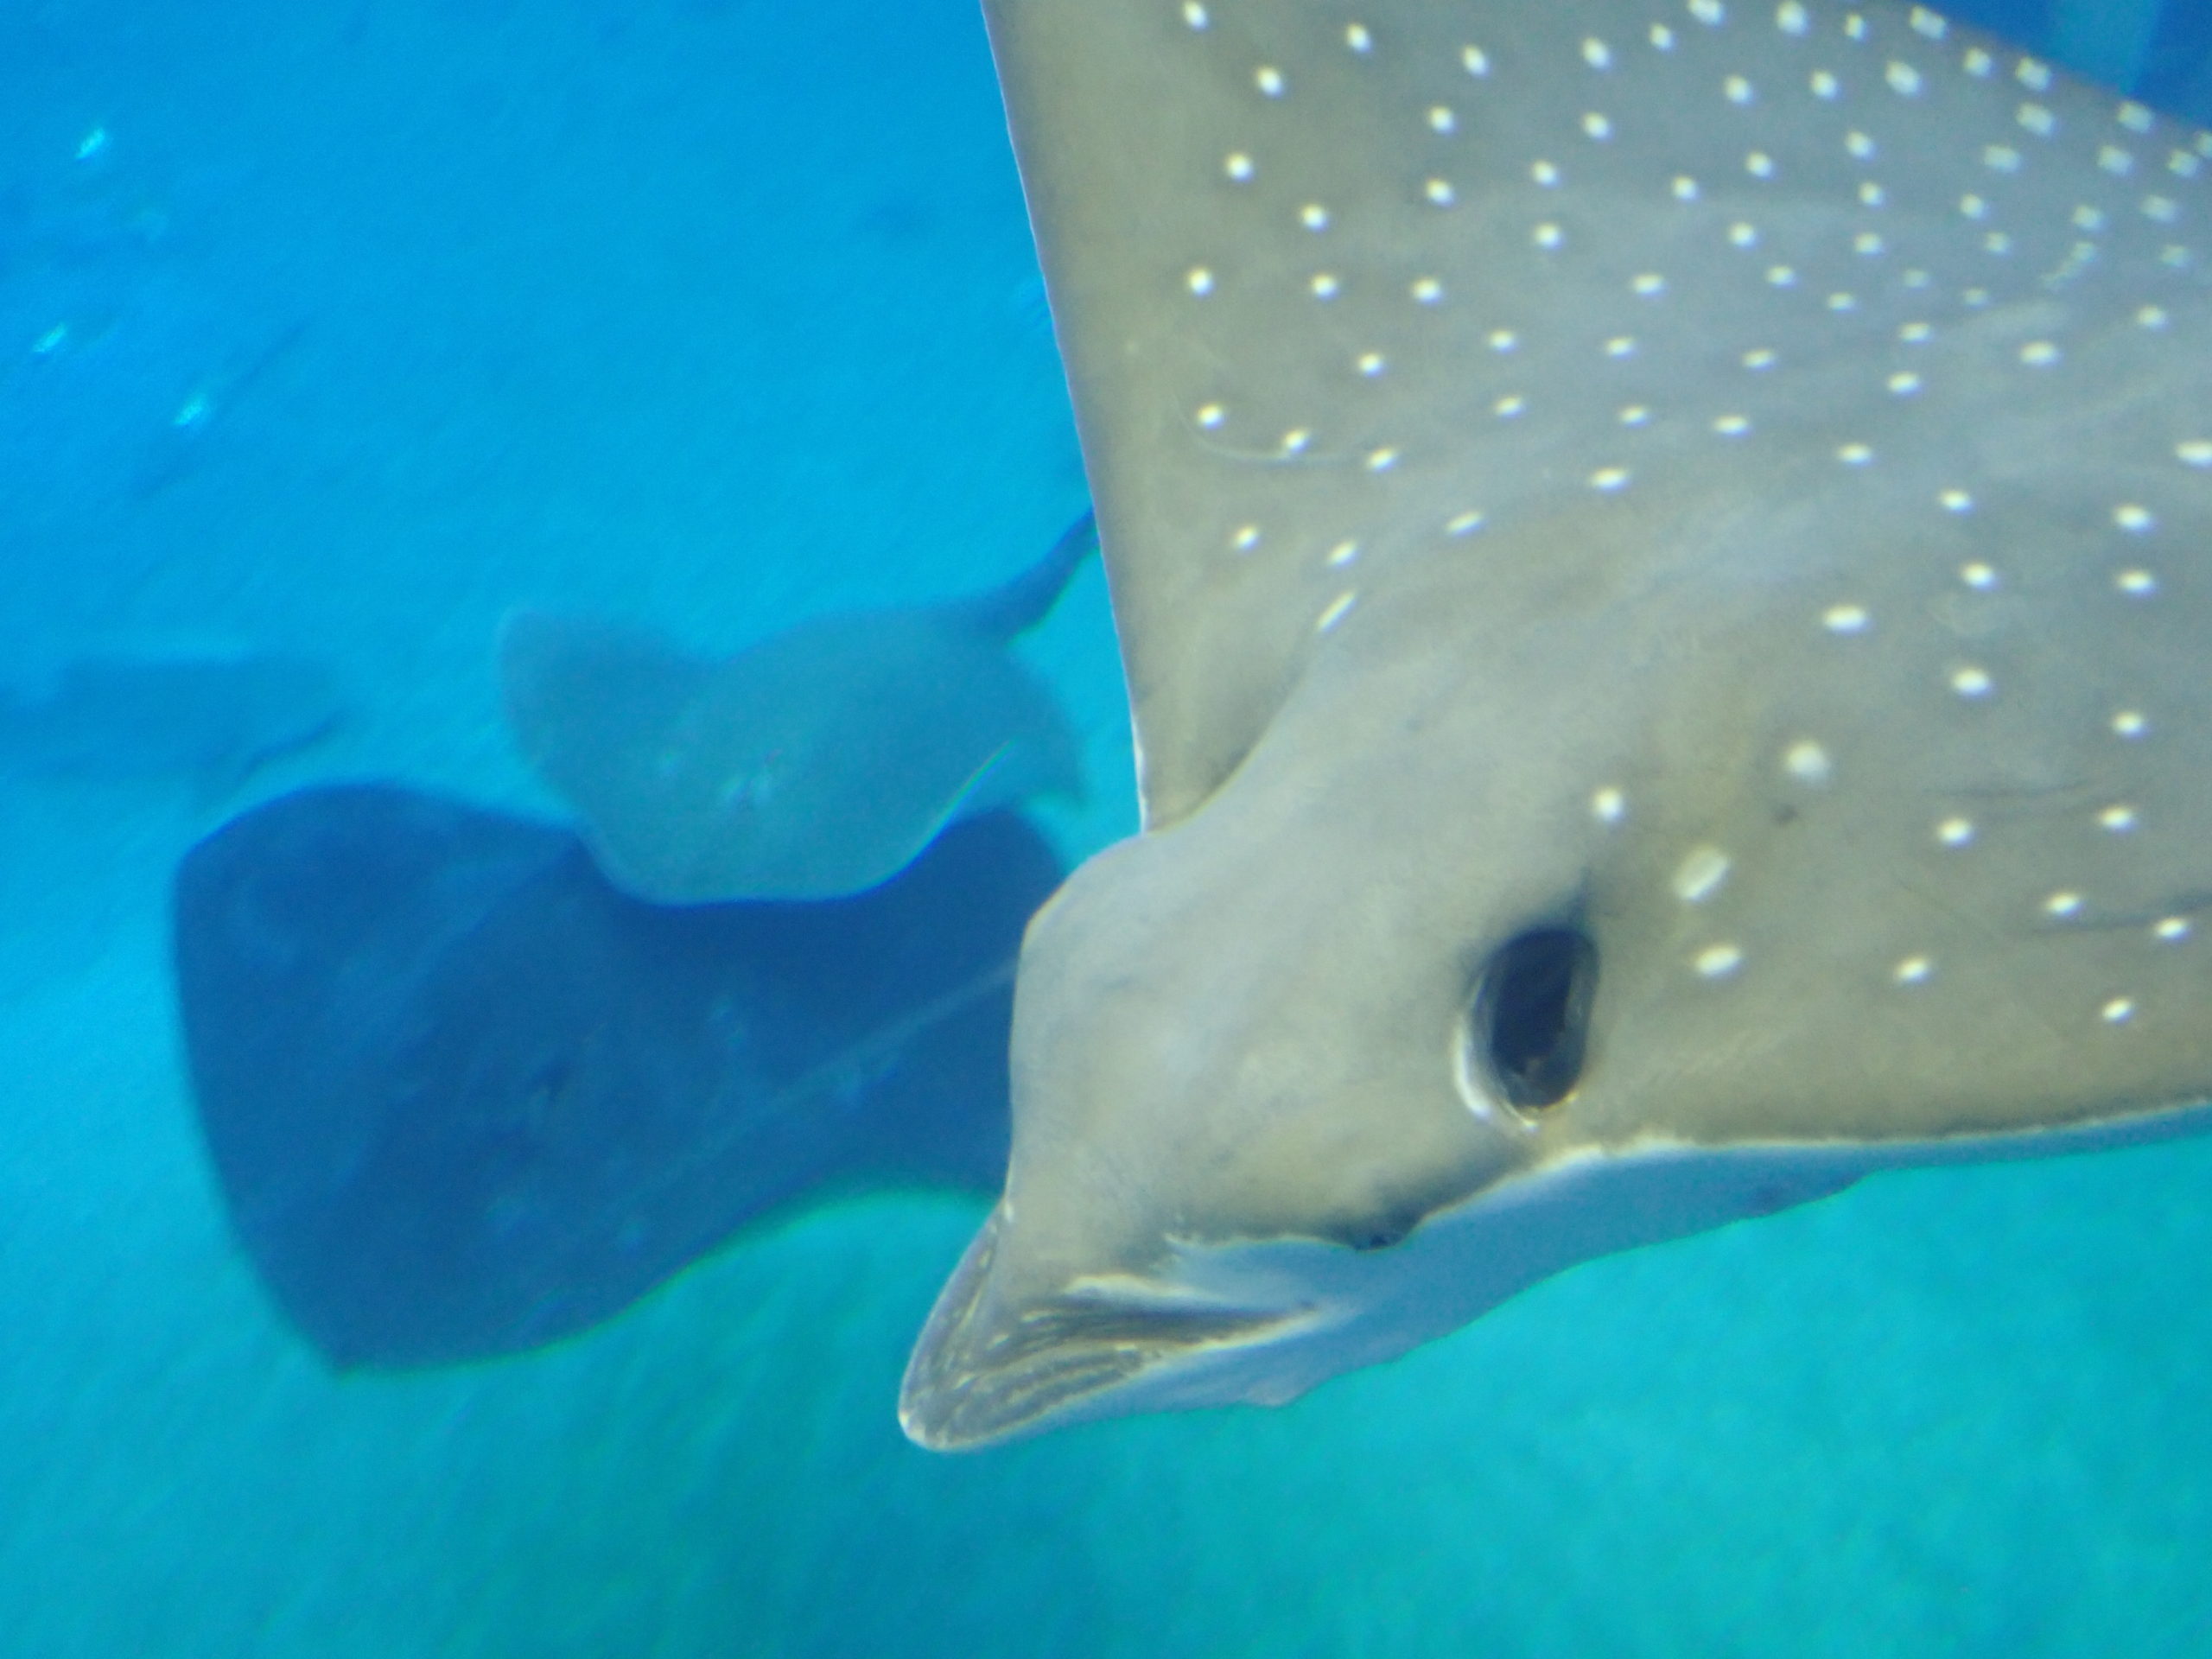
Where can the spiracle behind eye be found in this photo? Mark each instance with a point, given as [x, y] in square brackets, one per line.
[1529, 1026]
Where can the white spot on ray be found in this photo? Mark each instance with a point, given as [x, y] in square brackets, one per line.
[1808, 762]
[1700, 874]
[1718, 961]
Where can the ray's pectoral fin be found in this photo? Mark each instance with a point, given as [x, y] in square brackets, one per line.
[463, 1099]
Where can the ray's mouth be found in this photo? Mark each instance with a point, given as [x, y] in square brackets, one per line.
[987, 1369]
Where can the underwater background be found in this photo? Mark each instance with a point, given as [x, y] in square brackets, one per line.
[341, 329]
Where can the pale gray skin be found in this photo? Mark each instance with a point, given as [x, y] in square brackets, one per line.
[1727, 484]
[813, 765]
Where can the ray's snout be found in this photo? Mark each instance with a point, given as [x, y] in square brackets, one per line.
[1207, 1167]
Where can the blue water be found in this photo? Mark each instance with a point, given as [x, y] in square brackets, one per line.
[717, 313]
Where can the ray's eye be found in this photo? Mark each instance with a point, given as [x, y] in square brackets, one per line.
[1530, 1022]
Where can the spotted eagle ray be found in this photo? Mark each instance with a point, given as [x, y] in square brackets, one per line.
[815, 763]
[1659, 552]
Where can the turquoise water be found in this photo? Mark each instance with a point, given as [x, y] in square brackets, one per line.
[717, 313]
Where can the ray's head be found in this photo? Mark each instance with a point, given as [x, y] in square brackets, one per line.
[1220, 1156]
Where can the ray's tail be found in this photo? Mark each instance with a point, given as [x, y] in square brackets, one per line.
[1016, 607]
